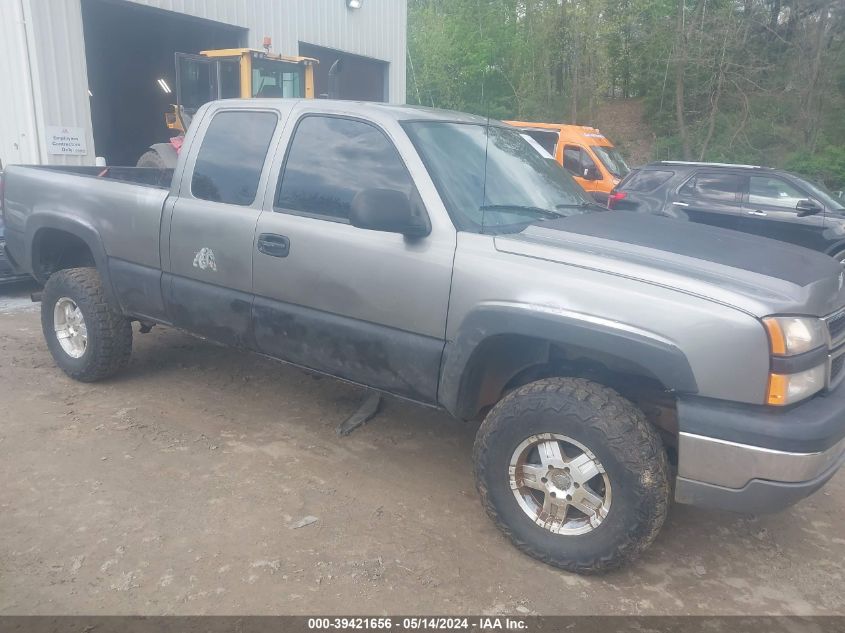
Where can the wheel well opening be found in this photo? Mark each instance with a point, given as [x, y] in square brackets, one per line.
[504, 363]
[55, 250]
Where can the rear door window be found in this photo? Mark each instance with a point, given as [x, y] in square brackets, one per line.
[647, 180]
[713, 186]
[230, 160]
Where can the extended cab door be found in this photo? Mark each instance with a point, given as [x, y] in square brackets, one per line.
[208, 286]
[367, 306]
[771, 210]
[709, 197]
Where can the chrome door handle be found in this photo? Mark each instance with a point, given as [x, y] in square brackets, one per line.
[274, 245]
[680, 204]
[756, 212]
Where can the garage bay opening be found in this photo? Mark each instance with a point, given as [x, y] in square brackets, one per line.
[130, 54]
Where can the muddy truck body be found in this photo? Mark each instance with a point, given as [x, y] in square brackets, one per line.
[615, 361]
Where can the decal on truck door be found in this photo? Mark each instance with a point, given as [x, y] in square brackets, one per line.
[204, 260]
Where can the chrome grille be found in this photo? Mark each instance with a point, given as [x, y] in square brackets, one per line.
[835, 367]
[836, 327]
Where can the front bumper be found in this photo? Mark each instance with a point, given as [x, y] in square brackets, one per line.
[757, 459]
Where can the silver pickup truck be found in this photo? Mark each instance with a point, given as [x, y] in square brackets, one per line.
[614, 360]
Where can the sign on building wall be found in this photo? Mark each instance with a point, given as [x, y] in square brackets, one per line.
[67, 141]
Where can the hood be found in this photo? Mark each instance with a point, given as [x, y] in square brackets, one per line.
[754, 274]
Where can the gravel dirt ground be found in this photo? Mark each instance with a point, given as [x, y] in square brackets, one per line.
[177, 488]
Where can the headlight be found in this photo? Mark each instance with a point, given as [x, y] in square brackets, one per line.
[787, 389]
[798, 347]
[789, 336]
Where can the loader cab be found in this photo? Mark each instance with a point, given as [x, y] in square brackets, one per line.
[236, 73]
[230, 73]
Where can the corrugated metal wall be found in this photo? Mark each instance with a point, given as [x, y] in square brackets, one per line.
[57, 54]
[18, 129]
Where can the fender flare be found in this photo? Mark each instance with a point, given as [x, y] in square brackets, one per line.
[85, 232]
[459, 387]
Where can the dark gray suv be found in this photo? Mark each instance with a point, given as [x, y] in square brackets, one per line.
[758, 200]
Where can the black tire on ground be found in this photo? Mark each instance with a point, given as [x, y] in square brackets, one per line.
[109, 333]
[151, 159]
[619, 436]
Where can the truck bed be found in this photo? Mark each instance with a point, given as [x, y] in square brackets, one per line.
[122, 206]
[145, 176]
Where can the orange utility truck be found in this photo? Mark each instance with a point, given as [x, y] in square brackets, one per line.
[583, 151]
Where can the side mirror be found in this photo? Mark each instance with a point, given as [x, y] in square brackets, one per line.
[807, 207]
[387, 210]
[591, 173]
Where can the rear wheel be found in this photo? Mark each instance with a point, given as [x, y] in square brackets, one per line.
[159, 156]
[151, 159]
[87, 338]
[573, 473]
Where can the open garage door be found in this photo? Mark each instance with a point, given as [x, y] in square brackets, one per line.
[130, 53]
[354, 77]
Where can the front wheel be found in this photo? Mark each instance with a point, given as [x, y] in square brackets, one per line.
[573, 473]
[88, 339]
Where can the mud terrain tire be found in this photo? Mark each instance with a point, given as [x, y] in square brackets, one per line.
[620, 437]
[109, 333]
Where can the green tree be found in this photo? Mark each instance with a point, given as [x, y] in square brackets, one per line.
[758, 81]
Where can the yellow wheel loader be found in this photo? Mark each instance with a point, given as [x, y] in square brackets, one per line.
[230, 73]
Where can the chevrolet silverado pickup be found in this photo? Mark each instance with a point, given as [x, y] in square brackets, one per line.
[615, 361]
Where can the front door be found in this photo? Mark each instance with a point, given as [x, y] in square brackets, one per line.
[709, 198]
[578, 162]
[770, 210]
[208, 289]
[362, 305]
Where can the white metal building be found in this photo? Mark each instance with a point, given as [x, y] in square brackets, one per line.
[79, 77]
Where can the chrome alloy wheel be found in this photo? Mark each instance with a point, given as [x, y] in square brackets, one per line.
[70, 328]
[560, 484]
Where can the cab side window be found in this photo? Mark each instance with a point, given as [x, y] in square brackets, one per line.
[576, 160]
[774, 192]
[230, 160]
[713, 186]
[330, 160]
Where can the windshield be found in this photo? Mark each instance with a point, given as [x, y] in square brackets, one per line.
[612, 160]
[518, 186]
[823, 195]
